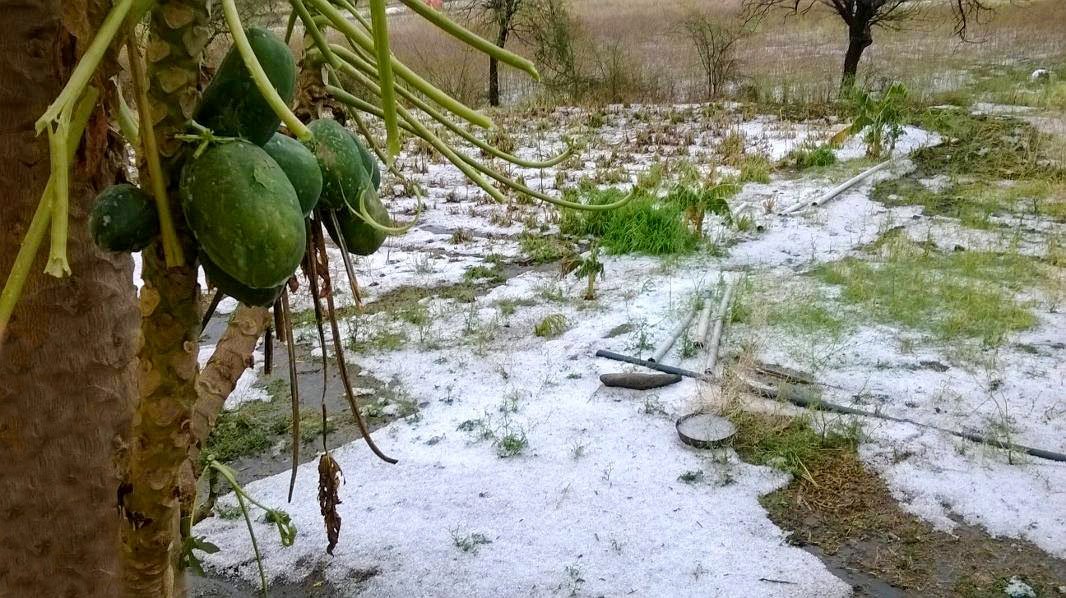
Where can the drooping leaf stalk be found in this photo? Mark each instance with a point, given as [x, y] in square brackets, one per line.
[380, 22]
[470, 167]
[262, 82]
[355, 35]
[20, 269]
[438, 116]
[173, 253]
[319, 38]
[363, 214]
[286, 529]
[86, 67]
[470, 38]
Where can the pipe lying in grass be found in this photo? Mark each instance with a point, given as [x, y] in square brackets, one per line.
[704, 323]
[835, 191]
[719, 326]
[669, 369]
[664, 348]
[793, 393]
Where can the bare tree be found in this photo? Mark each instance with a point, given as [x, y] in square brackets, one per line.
[509, 19]
[715, 44]
[861, 16]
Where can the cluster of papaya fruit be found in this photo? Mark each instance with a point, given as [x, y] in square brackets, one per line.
[246, 196]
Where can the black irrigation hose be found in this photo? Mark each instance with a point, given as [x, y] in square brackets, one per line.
[669, 369]
[792, 394]
[803, 400]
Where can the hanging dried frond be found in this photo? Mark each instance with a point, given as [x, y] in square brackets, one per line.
[329, 481]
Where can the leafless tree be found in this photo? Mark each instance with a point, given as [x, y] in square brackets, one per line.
[508, 19]
[861, 16]
[715, 41]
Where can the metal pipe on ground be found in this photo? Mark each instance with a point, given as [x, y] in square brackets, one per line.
[669, 369]
[835, 191]
[665, 346]
[719, 326]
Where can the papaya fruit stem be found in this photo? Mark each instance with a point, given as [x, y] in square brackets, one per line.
[262, 82]
[173, 253]
[380, 22]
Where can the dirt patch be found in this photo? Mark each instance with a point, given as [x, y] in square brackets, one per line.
[842, 512]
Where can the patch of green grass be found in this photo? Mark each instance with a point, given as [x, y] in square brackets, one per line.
[789, 444]
[959, 295]
[644, 225]
[811, 156]
[807, 314]
[487, 273]
[541, 249]
[755, 168]
[993, 147]
[256, 425]
[379, 340]
[975, 202]
[551, 326]
[511, 444]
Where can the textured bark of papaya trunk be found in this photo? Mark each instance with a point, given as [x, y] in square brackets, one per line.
[153, 497]
[67, 369]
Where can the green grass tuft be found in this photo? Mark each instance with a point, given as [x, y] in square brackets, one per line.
[644, 225]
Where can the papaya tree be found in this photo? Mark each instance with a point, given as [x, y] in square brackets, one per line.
[232, 181]
[861, 17]
[67, 362]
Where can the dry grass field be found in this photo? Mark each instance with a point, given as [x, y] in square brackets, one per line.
[788, 58]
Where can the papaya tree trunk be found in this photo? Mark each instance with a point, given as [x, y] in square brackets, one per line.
[153, 496]
[67, 368]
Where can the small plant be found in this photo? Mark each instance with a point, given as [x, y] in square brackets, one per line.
[755, 168]
[511, 444]
[881, 117]
[698, 199]
[551, 326]
[589, 268]
[692, 477]
[460, 236]
[731, 148]
[469, 542]
[542, 249]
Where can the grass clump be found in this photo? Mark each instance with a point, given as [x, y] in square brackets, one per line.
[790, 444]
[551, 326]
[807, 315]
[755, 168]
[959, 295]
[540, 249]
[810, 155]
[644, 225]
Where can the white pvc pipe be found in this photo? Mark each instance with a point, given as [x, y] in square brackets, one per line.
[719, 325]
[835, 191]
[704, 322]
[664, 348]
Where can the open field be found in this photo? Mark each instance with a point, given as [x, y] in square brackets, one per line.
[520, 474]
[788, 58]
